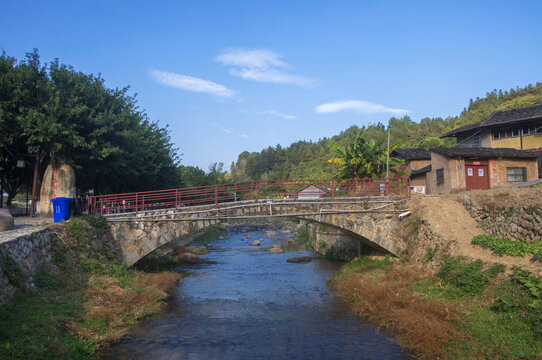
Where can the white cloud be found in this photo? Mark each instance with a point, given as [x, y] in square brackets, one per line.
[259, 65]
[190, 83]
[279, 114]
[360, 106]
[228, 131]
[244, 135]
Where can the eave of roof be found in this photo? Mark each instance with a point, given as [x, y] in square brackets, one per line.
[412, 154]
[484, 153]
[509, 116]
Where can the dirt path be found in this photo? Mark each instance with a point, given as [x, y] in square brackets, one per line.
[450, 218]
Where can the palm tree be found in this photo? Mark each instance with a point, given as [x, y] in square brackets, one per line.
[362, 158]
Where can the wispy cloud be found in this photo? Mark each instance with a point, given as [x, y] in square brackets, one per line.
[260, 65]
[363, 107]
[244, 135]
[228, 131]
[190, 83]
[279, 114]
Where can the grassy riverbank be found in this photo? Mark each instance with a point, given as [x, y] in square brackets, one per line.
[81, 304]
[465, 311]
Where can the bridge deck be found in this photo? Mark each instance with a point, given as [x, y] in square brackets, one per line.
[251, 192]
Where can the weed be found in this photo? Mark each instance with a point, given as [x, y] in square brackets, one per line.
[414, 224]
[430, 253]
[303, 235]
[12, 270]
[97, 222]
[211, 233]
[367, 264]
[330, 254]
[508, 247]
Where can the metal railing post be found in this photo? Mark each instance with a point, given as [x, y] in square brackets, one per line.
[216, 194]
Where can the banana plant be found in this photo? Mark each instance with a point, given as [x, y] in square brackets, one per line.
[363, 159]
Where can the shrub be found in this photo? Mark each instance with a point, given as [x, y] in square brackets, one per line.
[466, 279]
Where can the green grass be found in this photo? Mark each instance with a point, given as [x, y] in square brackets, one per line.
[489, 335]
[38, 325]
[62, 317]
[366, 264]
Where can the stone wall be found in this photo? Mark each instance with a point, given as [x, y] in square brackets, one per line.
[514, 223]
[425, 245]
[29, 250]
[340, 246]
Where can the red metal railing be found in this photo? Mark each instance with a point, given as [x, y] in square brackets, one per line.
[252, 190]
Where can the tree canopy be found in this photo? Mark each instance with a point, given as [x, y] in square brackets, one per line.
[70, 117]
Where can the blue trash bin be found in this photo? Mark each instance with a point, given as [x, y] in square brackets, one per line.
[61, 208]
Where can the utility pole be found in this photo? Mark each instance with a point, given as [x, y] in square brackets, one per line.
[388, 155]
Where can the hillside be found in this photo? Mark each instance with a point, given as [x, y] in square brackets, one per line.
[308, 159]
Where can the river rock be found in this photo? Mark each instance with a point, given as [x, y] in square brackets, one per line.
[300, 259]
[221, 238]
[255, 242]
[6, 220]
[249, 236]
[198, 250]
[276, 250]
[189, 258]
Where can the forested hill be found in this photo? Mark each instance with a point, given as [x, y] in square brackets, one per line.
[307, 159]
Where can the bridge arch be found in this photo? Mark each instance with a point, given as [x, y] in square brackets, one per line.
[142, 233]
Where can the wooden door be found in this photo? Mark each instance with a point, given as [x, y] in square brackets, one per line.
[476, 175]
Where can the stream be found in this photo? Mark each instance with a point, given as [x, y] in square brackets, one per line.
[246, 303]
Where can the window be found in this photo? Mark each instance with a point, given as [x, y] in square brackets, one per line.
[516, 174]
[477, 140]
[526, 130]
[496, 134]
[440, 176]
[515, 132]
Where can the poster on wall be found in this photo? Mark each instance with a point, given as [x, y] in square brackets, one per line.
[469, 171]
[481, 172]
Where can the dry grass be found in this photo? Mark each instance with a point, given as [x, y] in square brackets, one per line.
[113, 305]
[421, 326]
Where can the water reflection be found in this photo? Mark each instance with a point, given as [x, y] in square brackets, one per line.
[251, 304]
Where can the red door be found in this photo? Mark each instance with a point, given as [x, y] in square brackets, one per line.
[476, 175]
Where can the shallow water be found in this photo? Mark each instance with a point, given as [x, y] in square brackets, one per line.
[251, 304]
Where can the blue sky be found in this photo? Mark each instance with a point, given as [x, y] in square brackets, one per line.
[230, 76]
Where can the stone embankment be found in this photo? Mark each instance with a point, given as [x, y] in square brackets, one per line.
[515, 223]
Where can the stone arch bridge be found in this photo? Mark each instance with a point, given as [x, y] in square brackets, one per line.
[372, 221]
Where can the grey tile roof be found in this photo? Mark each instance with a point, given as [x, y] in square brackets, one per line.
[509, 116]
[412, 154]
[487, 153]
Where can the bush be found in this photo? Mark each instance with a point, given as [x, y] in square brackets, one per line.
[466, 279]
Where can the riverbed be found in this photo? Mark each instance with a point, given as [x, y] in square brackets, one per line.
[246, 303]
